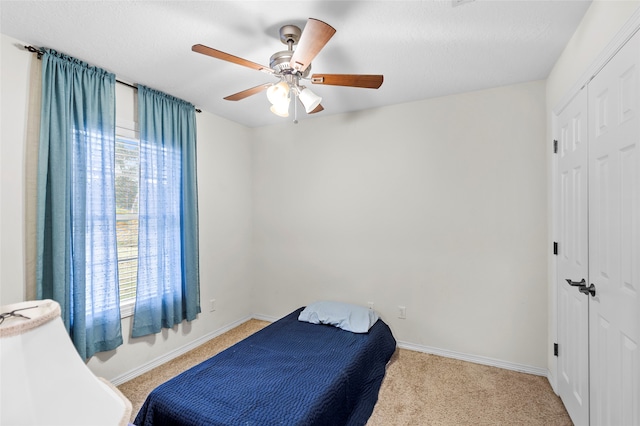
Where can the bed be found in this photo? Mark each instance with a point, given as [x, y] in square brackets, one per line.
[289, 373]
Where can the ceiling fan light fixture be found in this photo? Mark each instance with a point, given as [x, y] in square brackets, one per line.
[309, 99]
[278, 93]
[281, 109]
[291, 66]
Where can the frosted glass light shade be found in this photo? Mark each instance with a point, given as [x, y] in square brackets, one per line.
[278, 93]
[44, 380]
[281, 109]
[309, 99]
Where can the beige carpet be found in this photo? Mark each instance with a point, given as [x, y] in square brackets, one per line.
[418, 389]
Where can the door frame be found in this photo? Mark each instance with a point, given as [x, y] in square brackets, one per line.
[624, 34]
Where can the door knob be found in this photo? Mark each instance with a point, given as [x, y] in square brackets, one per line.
[588, 290]
[577, 283]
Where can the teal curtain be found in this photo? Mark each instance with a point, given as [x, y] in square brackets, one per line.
[168, 288]
[77, 263]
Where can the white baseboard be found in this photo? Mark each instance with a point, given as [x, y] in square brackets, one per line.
[455, 355]
[476, 359]
[131, 374]
[553, 382]
[262, 317]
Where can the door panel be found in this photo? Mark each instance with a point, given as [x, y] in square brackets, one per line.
[573, 343]
[614, 239]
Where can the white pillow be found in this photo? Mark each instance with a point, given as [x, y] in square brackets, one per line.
[354, 318]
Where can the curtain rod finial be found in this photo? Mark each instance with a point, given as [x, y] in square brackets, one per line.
[34, 50]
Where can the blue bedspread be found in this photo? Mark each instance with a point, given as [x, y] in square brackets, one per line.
[289, 373]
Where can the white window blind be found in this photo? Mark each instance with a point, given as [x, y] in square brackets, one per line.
[127, 176]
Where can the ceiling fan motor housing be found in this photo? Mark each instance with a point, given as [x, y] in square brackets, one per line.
[279, 62]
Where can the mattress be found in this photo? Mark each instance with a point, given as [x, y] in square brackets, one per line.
[289, 373]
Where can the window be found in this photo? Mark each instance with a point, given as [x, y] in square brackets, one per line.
[127, 184]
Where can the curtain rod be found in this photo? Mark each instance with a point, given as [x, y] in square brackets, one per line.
[41, 52]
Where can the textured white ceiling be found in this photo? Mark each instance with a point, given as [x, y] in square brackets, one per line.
[424, 49]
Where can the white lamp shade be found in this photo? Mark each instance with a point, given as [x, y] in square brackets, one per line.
[278, 93]
[281, 109]
[309, 99]
[44, 380]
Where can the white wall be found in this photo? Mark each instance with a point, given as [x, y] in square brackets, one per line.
[14, 78]
[601, 23]
[224, 189]
[437, 205]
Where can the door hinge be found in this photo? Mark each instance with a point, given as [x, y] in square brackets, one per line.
[555, 349]
[555, 146]
[555, 248]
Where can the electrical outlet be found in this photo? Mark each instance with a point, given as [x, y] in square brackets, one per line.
[212, 305]
[402, 312]
[370, 304]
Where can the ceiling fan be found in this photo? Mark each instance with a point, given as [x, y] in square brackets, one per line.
[292, 67]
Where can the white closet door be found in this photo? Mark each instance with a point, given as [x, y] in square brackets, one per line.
[573, 259]
[614, 239]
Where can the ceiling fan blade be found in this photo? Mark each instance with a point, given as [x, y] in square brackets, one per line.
[200, 48]
[246, 93]
[367, 81]
[314, 36]
[317, 109]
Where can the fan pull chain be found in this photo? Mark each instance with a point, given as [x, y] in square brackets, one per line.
[295, 107]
